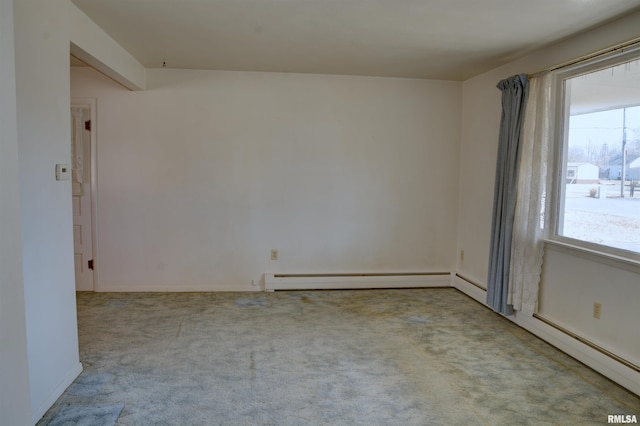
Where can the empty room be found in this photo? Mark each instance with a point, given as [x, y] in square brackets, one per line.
[319, 212]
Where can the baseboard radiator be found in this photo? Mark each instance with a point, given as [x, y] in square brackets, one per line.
[356, 281]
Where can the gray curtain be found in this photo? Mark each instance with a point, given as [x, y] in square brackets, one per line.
[514, 99]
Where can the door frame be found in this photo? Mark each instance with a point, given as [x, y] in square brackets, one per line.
[91, 103]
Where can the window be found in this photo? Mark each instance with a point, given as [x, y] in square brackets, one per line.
[598, 196]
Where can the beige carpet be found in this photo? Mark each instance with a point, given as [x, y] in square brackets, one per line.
[374, 357]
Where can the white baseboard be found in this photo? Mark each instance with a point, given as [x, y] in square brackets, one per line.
[605, 365]
[178, 289]
[53, 397]
[472, 290]
[355, 281]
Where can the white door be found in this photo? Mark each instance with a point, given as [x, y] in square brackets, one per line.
[81, 191]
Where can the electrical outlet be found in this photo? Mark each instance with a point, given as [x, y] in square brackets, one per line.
[461, 255]
[597, 309]
[274, 254]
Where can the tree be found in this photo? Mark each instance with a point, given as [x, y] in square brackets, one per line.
[577, 154]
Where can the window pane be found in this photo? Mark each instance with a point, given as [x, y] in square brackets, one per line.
[600, 198]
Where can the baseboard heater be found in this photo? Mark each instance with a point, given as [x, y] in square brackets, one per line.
[356, 281]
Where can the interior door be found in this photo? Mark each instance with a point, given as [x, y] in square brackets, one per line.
[81, 197]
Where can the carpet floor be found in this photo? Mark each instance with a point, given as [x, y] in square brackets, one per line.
[367, 357]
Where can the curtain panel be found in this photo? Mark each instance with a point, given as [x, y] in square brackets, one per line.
[514, 99]
[531, 219]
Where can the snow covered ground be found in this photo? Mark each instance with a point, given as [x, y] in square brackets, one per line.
[609, 220]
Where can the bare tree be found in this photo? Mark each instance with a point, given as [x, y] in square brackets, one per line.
[577, 154]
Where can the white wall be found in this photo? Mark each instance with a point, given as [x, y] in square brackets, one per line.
[42, 83]
[571, 283]
[205, 172]
[592, 279]
[14, 379]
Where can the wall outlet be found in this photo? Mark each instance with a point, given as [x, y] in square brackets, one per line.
[253, 283]
[274, 254]
[597, 308]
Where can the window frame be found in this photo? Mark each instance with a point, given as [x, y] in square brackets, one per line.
[560, 152]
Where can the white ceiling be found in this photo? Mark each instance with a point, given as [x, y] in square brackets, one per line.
[437, 39]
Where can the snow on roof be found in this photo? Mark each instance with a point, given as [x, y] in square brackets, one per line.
[578, 164]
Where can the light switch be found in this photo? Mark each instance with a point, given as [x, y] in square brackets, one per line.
[63, 172]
